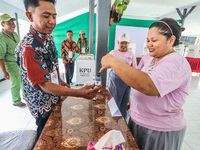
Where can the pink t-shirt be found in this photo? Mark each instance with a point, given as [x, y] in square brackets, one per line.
[171, 76]
[126, 57]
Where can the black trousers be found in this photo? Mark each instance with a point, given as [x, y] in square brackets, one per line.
[40, 122]
[69, 72]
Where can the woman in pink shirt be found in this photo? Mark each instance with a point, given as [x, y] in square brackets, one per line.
[159, 89]
[119, 89]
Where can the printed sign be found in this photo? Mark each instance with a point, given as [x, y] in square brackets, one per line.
[85, 69]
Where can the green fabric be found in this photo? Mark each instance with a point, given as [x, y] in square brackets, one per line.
[6, 17]
[81, 22]
[75, 24]
[7, 46]
[16, 81]
[7, 52]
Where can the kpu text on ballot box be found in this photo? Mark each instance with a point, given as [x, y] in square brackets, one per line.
[84, 68]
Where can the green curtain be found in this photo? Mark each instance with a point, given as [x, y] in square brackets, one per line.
[81, 22]
[75, 24]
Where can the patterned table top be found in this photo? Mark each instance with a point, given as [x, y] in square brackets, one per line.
[76, 121]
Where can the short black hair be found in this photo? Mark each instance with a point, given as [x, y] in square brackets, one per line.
[69, 31]
[35, 3]
[165, 30]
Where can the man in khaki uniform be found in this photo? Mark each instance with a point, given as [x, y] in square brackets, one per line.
[8, 42]
[82, 43]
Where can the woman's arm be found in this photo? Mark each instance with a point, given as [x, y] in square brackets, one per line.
[134, 78]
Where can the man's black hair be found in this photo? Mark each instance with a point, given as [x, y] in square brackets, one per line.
[35, 3]
[69, 31]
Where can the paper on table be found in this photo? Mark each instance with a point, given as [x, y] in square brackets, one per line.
[110, 139]
[113, 108]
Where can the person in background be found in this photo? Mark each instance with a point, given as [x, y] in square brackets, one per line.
[82, 43]
[159, 89]
[37, 58]
[68, 49]
[118, 88]
[8, 42]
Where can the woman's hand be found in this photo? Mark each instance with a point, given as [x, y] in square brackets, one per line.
[128, 105]
[107, 62]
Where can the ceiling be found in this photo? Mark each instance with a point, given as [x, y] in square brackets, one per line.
[137, 9]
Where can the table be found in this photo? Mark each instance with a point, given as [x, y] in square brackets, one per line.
[76, 121]
[194, 63]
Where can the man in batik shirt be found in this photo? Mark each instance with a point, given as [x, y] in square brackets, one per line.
[37, 58]
[68, 49]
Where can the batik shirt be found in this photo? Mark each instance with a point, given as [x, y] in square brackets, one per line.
[66, 47]
[37, 59]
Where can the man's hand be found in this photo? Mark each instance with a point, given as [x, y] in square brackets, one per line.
[65, 61]
[3, 68]
[6, 75]
[89, 91]
[62, 83]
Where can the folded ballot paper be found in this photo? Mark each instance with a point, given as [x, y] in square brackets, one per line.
[110, 141]
[114, 108]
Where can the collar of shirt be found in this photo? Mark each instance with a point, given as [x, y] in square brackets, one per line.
[41, 38]
[11, 37]
[70, 41]
[5, 33]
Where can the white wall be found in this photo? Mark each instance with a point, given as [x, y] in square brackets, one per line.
[138, 35]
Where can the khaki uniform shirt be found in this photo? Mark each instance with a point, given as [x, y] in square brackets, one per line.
[82, 44]
[7, 47]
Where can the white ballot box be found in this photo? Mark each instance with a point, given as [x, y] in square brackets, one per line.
[132, 47]
[180, 49]
[61, 69]
[197, 53]
[84, 68]
[193, 51]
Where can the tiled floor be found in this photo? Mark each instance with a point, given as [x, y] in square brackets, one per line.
[14, 118]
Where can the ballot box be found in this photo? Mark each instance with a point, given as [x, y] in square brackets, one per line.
[193, 51]
[132, 47]
[180, 49]
[85, 68]
[61, 69]
[197, 53]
